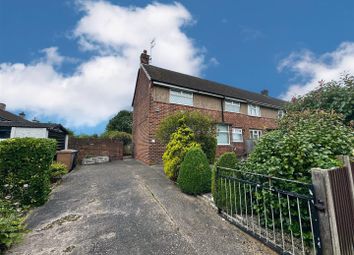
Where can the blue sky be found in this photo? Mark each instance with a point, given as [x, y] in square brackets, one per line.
[75, 61]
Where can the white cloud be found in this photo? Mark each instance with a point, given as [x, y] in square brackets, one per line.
[104, 84]
[310, 69]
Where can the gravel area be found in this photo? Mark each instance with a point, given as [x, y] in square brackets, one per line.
[125, 207]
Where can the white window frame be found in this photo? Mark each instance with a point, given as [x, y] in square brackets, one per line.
[228, 133]
[183, 94]
[254, 110]
[253, 131]
[237, 131]
[230, 104]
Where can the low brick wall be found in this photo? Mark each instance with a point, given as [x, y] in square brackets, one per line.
[112, 148]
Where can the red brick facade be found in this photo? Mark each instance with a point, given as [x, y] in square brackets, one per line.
[148, 113]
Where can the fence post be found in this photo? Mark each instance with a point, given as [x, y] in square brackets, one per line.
[326, 214]
[347, 165]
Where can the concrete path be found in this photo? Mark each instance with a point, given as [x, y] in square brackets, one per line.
[125, 207]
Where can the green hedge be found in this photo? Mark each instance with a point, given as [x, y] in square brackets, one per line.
[24, 169]
[195, 173]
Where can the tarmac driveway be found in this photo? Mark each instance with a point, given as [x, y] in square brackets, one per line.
[125, 207]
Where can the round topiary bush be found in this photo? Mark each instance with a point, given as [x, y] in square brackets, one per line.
[195, 174]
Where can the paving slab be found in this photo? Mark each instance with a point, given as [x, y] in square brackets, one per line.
[125, 207]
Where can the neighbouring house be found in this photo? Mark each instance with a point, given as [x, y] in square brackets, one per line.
[241, 116]
[12, 125]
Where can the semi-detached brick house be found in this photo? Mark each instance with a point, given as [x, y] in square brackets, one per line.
[240, 115]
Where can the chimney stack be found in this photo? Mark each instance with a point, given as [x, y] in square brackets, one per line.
[2, 106]
[22, 115]
[265, 92]
[144, 58]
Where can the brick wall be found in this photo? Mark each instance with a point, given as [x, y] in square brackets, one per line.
[142, 98]
[112, 148]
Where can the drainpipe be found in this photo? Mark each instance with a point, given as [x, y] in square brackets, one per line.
[222, 109]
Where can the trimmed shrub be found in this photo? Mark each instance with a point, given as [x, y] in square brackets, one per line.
[208, 144]
[57, 170]
[201, 124]
[24, 169]
[195, 173]
[181, 141]
[229, 160]
[11, 225]
[126, 138]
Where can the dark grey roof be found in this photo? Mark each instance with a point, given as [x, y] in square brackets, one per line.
[29, 124]
[191, 82]
[5, 115]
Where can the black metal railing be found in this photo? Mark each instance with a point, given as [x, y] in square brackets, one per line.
[279, 212]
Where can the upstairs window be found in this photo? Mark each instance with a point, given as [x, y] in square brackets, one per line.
[255, 134]
[237, 135]
[254, 110]
[232, 106]
[181, 97]
[223, 135]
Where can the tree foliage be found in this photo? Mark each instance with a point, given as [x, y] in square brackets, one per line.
[195, 173]
[123, 122]
[202, 126]
[126, 138]
[181, 141]
[335, 96]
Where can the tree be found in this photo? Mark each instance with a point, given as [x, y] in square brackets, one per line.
[335, 96]
[303, 140]
[202, 126]
[123, 122]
